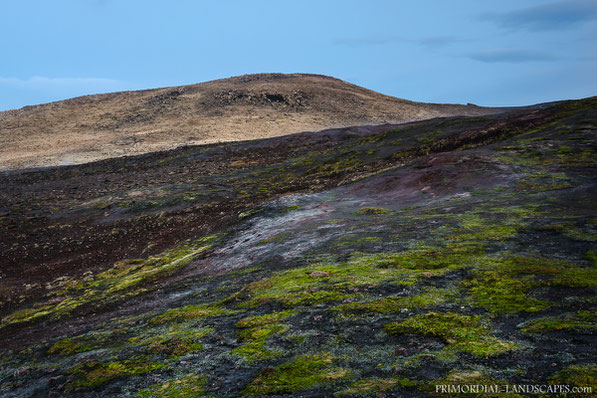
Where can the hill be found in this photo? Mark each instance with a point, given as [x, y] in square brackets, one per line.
[366, 261]
[248, 107]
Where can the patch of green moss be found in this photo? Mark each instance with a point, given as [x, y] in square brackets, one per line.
[583, 322]
[256, 351]
[560, 226]
[535, 186]
[426, 259]
[177, 340]
[504, 286]
[261, 320]
[351, 240]
[586, 232]
[191, 311]
[461, 332]
[501, 293]
[583, 376]
[188, 386]
[69, 346]
[255, 332]
[290, 288]
[27, 314]
[336, 281]
[262, 332]
[249, 213]
[373, 386]
[304, 372]
[576, 276]
[372, 211]
[93, 374]
[587, 157]
[131, 273]
[122, 281]
[333, 167]
[475, 228]
[495, 233]
[427, 298]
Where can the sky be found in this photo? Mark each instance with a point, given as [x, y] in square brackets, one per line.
[507, 52]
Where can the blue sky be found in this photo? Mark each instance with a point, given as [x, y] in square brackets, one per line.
[486, 52]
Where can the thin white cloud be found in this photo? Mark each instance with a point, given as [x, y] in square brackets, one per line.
[438, 41]
[428, 42]
[551, 16]
[511, 56]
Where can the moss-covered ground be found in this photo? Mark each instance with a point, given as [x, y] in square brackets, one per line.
[453, 251]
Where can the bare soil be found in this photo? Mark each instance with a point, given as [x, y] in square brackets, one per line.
[95, 127]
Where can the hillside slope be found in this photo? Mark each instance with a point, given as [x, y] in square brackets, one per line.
[241, 108]
[359, 262]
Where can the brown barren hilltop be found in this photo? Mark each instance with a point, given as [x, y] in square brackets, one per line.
[247, 107]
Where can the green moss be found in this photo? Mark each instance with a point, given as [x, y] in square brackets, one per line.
[505, 284]
[190, 312]
[261, 320]
[124, 280]
[461, 332]
[333, 167]
[373, 386]
[127, 274]
[535, 186]
[69, 346]
[27, 314]
[262, 332]
[428, 298]
[93, 374]
[504, 295]
[561, 226]
[175, 341]
[583, 376]
[421, 259]
[576, 276]
[304, 372]
[256, 351]
[290, 288]
[372, 211]
[249, 213]
[336, 281]
[475, 228]
[495, 233]
[585, 232]
[189, 386]
[255, 332]
[584, 322]
[352, 240]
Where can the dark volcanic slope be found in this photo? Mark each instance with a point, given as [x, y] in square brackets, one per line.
[351, 262]
[247, 107]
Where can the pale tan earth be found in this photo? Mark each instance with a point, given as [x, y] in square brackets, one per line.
[247, 107]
